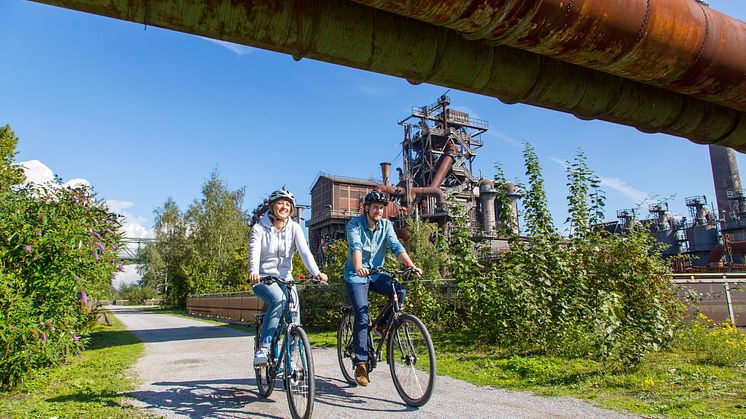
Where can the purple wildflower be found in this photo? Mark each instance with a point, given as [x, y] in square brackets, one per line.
[95, 254]
[108, 230]
[101, 246]
[96, 235]
[121, 268]
[43, 337]
[28, 249]
[38, 233]
[75, 199]
[84, 297]
[75, 337]
[77, 278]
[41, 323]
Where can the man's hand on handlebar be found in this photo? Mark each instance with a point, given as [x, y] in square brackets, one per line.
[362, 272]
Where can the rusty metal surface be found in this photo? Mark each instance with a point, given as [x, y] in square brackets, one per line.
[358, 36]
[680, 45]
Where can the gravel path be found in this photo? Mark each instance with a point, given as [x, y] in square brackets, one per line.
[195, 369]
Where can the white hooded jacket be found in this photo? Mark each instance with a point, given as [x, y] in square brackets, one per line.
[271, 251]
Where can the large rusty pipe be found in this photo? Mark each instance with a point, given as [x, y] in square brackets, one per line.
[444, 165]
[679, 45]
[716, 253]
[357, 36]
[427, 191]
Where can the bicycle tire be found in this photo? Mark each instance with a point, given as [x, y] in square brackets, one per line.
[300, 380]
[411, 359]
[265, 376]
[344, 348]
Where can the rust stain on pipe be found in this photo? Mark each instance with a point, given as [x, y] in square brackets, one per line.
[358, 36]
[679, 45]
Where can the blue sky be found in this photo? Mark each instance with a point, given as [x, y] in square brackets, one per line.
[144, 115]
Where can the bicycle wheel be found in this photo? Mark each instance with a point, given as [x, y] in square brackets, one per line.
[300, 382]
[265, 376]
[344, 348]
[411, 358]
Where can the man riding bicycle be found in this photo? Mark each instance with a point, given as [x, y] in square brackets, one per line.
[367, 236]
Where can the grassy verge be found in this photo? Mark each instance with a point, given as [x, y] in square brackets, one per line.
[670, 384]
[92, 385]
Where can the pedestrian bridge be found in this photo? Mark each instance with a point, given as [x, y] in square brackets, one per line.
[664, 66]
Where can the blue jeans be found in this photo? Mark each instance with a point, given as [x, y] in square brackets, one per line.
[358, 294]
[275, 296]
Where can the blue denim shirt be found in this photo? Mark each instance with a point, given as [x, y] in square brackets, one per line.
[372, 244]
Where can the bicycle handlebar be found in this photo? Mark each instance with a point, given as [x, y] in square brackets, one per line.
[408, 270]
[268, 280]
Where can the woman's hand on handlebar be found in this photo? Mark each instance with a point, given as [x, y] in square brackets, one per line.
[323, 277]
[254, 279]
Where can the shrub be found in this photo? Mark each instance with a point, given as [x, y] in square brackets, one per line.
[712, 343]
[57, 250]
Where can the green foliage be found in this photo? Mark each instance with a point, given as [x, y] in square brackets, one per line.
[134, 293]
[595, 295]
[93, 385]
[712, 343]
[57, 249]
[199, 251]
[9, 174]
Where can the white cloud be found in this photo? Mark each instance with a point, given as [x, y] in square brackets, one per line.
[118, 206]
[129, 276]
[235, 48]
[37, 172]
[74, 183]
[559, 162]
[622, 187]
[134, 225]
[373, 90]
[506, 138]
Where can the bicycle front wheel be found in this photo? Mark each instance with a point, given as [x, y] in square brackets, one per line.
[411, 358]
[265, 375]
[300, 382]
[344, 348]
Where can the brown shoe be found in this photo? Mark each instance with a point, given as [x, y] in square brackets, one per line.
[379, 330]
[361, 374]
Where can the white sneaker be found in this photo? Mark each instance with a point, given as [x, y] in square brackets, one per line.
[260, 358]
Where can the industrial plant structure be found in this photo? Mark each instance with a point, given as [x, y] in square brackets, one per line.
[438, 150]
[706, 240]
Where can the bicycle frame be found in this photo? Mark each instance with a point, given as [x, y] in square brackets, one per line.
[374, 354]
[283, 332]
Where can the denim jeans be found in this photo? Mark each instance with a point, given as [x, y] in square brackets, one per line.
[275, 296]
[358, 294]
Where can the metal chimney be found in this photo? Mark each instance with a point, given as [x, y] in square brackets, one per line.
[385, 172]
[728, 190]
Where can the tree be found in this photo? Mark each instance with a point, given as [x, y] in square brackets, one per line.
[9, 173]
[218, 251]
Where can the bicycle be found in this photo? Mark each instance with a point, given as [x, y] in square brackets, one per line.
[289, 355]
[409, 348]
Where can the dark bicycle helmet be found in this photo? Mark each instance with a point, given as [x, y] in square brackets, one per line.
[281, 193]
[376, 197]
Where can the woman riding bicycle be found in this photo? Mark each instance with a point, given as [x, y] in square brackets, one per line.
[274, 239]
[367, 236]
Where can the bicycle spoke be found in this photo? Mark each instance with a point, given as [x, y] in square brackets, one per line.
[412, 361]
[299, 377]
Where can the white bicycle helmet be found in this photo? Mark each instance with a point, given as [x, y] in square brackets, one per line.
[281, 193]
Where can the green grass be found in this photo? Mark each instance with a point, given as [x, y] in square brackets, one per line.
[92, 385]
[667, 383]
